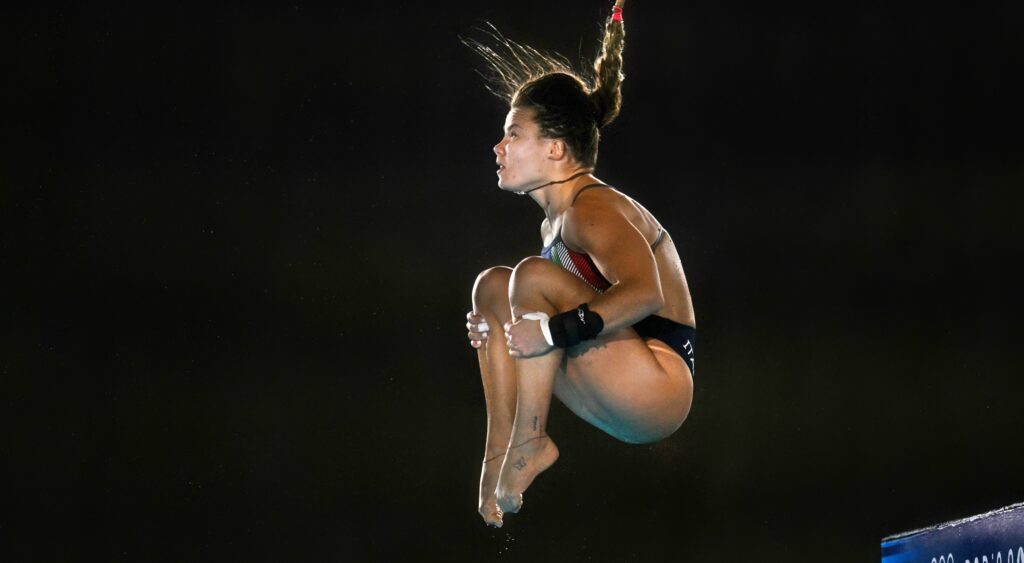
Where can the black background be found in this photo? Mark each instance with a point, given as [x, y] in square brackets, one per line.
[239, 243]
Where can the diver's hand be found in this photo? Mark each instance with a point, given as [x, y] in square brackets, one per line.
[478, 329]
[525, 338]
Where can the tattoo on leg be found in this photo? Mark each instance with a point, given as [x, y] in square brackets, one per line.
[527, 441]
[535, 422]
[519, 464]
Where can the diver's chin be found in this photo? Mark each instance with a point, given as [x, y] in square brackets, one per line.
[505, 187]
[514, 188]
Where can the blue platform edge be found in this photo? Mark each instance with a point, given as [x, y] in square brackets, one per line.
[992, 537]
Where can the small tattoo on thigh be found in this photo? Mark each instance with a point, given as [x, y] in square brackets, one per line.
[535, 422]
[520, 464]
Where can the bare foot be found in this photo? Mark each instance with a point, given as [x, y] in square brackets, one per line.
[488, 483]
[521, 466]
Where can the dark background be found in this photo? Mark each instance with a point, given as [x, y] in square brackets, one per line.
[239, 242]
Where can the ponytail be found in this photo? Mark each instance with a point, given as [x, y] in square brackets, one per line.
[567, 105]
[606, 95]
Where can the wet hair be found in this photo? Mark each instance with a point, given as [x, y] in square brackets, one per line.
[567, 105]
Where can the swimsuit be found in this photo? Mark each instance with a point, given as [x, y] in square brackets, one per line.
[681, 338]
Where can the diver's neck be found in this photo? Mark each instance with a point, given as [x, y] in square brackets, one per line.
[555, 196]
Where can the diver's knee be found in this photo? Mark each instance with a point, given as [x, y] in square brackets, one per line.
[531, 269]
[491, 285]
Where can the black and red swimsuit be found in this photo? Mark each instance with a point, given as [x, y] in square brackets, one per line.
[681, 338]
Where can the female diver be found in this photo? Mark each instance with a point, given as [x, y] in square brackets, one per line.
[603, 318]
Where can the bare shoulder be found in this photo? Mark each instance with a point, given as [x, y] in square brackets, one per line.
[607, 213]
[596, 213]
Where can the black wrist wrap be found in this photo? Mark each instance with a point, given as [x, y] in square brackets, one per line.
[572, 327]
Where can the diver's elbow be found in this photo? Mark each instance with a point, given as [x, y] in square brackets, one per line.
[655, 299]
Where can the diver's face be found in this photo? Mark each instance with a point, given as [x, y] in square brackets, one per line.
[522, 152]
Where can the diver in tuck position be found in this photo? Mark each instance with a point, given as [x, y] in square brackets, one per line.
[603, 317]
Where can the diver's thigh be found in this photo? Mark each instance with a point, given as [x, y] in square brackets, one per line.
[630, 385]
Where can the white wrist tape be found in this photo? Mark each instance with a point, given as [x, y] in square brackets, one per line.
[543, 318]
[482, 327]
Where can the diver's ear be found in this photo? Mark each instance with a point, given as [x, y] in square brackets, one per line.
[557, 149]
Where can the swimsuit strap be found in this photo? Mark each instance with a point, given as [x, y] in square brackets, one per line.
[657, 241]
[661, 230]
[585, 188]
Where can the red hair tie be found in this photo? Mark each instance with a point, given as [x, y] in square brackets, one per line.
[617, 14]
